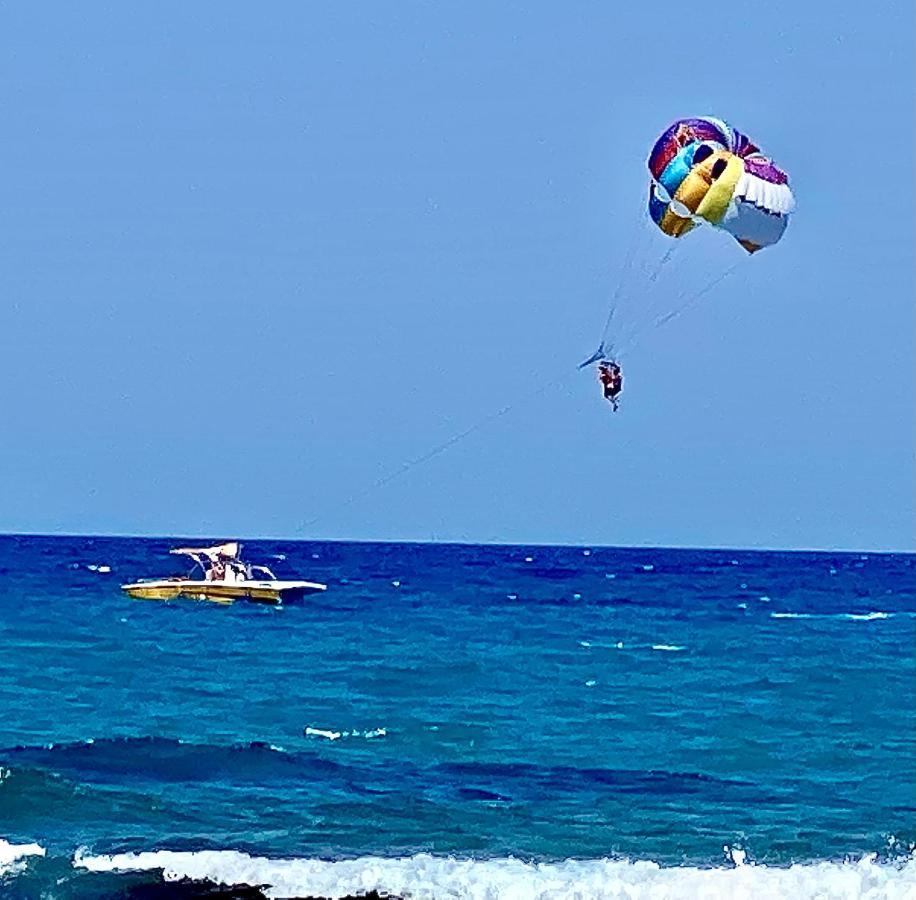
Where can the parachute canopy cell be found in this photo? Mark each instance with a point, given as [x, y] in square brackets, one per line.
[706, 172]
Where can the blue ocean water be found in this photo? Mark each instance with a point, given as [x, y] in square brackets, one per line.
[528, 721]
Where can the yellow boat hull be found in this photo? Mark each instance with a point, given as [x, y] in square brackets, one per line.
[222, 592]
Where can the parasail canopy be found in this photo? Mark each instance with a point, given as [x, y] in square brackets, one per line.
[706, 172]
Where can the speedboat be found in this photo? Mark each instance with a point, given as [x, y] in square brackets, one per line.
[219, 574]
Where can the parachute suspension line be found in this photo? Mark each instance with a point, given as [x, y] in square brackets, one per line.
[648, 300]
[654, 273]
[437, 450]
[685, 300]
[636, 234]
[698, 295]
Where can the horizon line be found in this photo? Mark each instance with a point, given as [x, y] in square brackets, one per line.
[459, 543]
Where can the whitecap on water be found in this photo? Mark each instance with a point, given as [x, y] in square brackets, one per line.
[866, 617]
[332, 735]
[852, 617]
[434, 877]
[323, 732]
[14, 856]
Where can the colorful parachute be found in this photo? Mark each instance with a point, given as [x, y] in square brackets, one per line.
[704, 171]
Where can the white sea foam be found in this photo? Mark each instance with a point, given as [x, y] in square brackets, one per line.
[13, 856]
[853, 617]
[425, 877]
[322, 732]
[332, 735]
[670, 648]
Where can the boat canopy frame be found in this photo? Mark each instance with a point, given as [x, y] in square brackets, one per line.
[223, 556]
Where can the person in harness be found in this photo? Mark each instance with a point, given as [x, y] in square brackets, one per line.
[611, 378]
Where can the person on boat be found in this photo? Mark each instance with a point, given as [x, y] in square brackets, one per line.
[611, 378]
[235, 571]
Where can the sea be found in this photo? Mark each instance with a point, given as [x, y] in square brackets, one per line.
[458, 721]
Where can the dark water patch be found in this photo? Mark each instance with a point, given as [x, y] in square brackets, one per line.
[121, 762]
[468, 793]
[169, 760]
[528, 780]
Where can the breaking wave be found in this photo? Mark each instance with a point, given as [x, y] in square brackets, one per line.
[426, 877]
[14, 856]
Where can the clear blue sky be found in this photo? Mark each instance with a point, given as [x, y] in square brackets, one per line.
[252, 258]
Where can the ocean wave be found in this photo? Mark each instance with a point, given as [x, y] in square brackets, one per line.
[53, 772]
[132, 759]
[852, 617]
[426, 877]
[332, 734]
[524, 782]
[14, 856]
